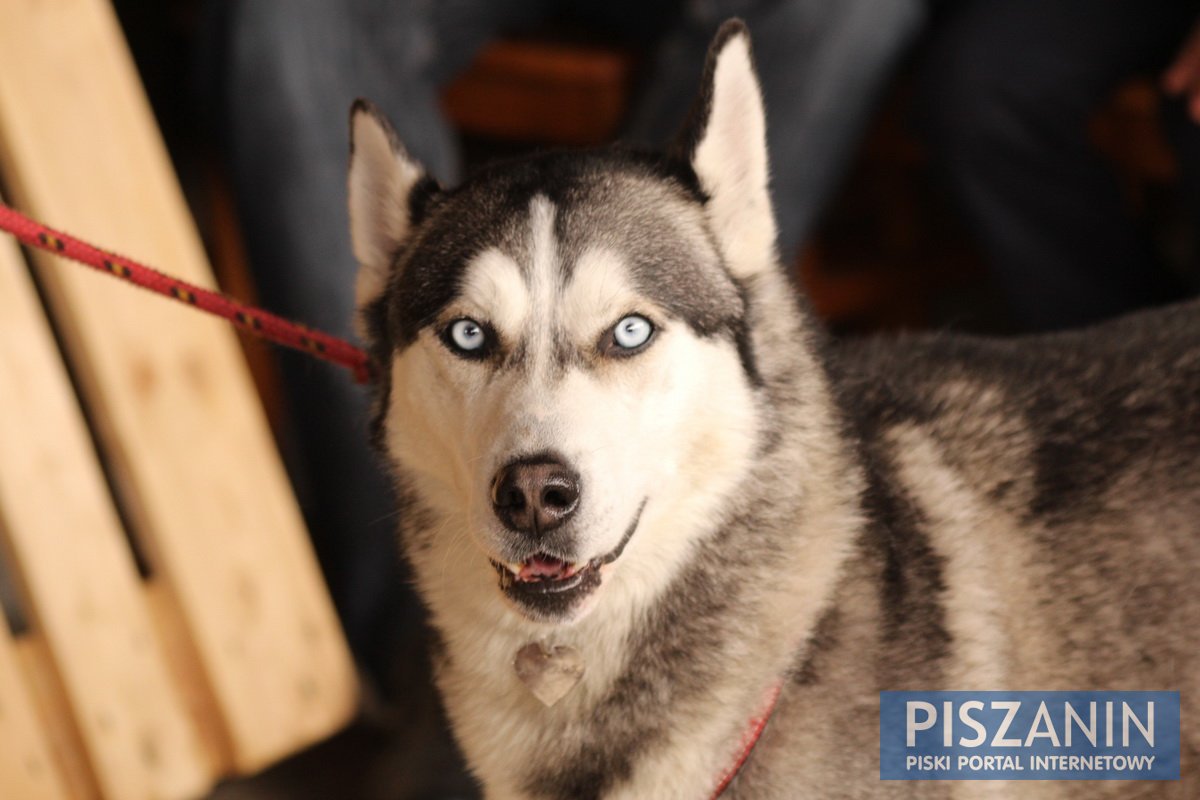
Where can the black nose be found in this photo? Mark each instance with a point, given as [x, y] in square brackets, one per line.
[535, 495]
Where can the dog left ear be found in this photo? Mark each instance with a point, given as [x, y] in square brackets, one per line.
[381, 186]
[725, 140]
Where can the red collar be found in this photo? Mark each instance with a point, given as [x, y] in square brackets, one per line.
[749, 738]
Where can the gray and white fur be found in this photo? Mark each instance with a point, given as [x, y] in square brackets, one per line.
[737, 499]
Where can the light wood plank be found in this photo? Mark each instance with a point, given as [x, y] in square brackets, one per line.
[178, 416]
[58, 722]
[82, 589]
[26, 768]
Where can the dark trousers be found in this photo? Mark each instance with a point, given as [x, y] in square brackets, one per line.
[1006, 91]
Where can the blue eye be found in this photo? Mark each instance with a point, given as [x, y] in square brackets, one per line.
[631, 333]
[466, 336]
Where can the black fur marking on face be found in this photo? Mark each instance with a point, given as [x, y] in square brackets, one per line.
[421, 197]
[380, 348]
[491, 210]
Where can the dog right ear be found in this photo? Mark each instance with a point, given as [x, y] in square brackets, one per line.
[725, 140]
[381, 183]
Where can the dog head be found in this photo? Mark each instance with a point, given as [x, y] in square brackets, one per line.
[568, 386]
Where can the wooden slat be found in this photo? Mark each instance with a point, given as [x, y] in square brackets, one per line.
[26, 768]
[186, 437]
[82, 588]
[542, 91]
[54, 712]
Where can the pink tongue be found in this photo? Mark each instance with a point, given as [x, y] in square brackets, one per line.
[542, 567]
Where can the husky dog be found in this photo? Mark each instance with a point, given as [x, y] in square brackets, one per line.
[640, 487]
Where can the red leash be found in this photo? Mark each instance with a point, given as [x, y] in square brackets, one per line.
[253, 320]
[749, 739]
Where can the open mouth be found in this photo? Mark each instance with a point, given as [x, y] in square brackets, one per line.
[549, 586]
[543, 572]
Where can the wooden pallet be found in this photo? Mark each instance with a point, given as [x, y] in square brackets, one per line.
[124, 418]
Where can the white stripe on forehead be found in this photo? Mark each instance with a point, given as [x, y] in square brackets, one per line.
[543, 279]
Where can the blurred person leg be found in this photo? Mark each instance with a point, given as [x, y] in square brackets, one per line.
[823, 65]
[1006, 91]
